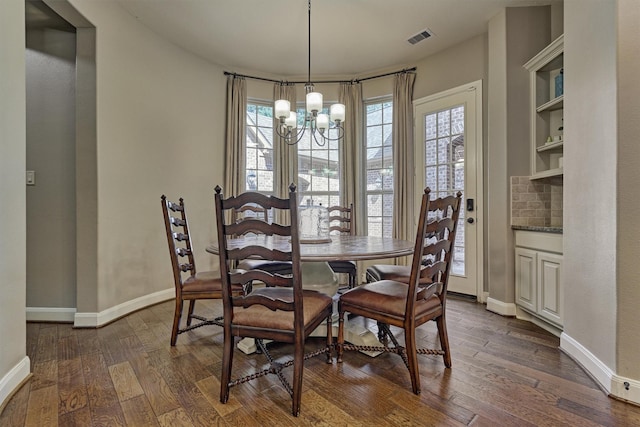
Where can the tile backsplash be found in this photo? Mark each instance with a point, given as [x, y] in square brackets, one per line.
[536, 203]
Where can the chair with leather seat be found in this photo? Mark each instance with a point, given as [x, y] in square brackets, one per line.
[342, 221]
[281, 310]
[190, 285]
[399, 273]
[423, 298]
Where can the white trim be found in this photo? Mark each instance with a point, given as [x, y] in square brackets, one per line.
[614, 385]
[597, 369]
[485, 297]
[502, 308]
[626, 389]
[93, 320]
[13, 379]
[50, 314]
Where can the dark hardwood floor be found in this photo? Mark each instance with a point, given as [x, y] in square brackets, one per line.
[505, 372]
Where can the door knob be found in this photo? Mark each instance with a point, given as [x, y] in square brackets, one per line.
[470, 220]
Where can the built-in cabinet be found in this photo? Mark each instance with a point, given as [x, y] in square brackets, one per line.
[547, 105]
[538, 269]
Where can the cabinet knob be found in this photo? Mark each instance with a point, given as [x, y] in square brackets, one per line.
[470, 220]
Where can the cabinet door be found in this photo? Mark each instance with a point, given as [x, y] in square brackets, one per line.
[550, 287]
[526, 280]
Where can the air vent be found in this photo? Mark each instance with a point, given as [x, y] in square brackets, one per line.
[425, 34]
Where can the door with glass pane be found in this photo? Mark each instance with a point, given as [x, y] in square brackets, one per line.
[448, 159]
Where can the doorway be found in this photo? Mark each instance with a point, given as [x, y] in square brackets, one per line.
[448, 135]
[61, 161]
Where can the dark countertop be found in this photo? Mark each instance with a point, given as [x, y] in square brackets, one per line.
[556, 230]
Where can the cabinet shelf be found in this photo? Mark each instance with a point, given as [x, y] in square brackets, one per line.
[554, 104]
[550, 146]
[546, 110]
[547, 174]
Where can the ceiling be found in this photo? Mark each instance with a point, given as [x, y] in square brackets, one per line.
[350, 38]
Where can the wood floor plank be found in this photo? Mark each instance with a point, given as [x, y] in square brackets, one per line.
[125, 381]
[42, 408]
[177, 417]
[78, 418]
[160, 396]
[100, 387]
[45, 374]
[72, 391]
[108, 416]
[137, 411]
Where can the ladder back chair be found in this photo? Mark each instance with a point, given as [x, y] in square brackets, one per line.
[257, 213]
[423, 298]
[281, 310]
[190, 285]
[342, 221]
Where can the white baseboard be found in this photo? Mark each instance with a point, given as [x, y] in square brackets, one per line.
[94, 320]
[598, 370]
[502, 308]
[615, 385]
[50, 314]
[13, 379]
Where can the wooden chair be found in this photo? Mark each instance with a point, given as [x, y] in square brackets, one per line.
[408, 306]
[281, 311]
[254, 212]
[342, 221]
[190, 285]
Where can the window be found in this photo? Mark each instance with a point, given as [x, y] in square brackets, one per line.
[318, 167]
[379, 168]
[259, 147]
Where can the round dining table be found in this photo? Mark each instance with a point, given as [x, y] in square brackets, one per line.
[340, 248]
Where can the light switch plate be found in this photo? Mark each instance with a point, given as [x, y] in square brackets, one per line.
[31, 177]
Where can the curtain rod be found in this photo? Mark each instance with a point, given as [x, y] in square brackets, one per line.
[404, 70]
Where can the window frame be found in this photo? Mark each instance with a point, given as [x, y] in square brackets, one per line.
[387, 189]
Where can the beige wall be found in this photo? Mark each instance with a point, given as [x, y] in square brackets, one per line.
[12, 198]
[160, 130]
[628, 227]
[590, 178]
[515, 36]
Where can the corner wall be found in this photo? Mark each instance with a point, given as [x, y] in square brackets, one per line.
[14, 364]
[591, 187]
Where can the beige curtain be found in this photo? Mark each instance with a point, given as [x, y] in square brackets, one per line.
[350, 94]
[234, 166]
[285, 156]
[403, 153]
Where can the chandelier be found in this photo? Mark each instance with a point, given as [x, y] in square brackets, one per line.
[314, 119]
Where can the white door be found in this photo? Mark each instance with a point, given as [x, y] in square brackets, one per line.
[448, 140]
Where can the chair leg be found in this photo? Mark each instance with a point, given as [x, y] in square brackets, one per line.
[227, 363]
[353, 279]
[298, 365]
[329, 339]
[192, 306]
[444, 340]
[340, 343]
[176, 321]
[412, 359]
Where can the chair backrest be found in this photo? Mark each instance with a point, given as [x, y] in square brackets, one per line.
[437, 225]
[177, 228]
[342, 220]
[271, 241]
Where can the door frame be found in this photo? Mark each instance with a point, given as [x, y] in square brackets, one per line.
[478, 165]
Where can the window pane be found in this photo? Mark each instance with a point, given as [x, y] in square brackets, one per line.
[379, 168]
[259, 161]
